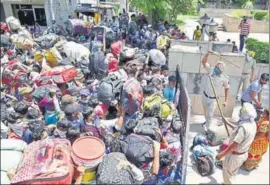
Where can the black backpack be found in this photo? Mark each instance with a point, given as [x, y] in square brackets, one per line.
[205, 165]
[148, 127]
[107, 173]
[109, 89]
[138, 149]
[97, 66]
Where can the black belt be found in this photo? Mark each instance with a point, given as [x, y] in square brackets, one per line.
[208, 96]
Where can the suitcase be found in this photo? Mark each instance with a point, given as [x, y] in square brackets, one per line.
[61, 74]
[46, 162]
[216, 134]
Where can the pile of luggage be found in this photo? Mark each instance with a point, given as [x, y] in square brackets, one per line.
[68, 107]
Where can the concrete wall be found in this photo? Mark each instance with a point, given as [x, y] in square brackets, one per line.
[231, 24]
[216, 12]
[205, 45]
[260, 69]
[194, 74]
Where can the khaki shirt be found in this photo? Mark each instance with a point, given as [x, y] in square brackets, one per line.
[220, 82]
[244, 135]
[249, 65]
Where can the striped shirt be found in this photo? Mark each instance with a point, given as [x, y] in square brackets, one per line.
[244, 28]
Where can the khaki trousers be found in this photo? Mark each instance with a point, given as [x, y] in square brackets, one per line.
[245, 81]
[231, 165]
[209, 107]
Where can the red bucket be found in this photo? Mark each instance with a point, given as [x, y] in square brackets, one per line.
[88, 151]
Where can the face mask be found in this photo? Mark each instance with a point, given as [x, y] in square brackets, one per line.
[62, 134]
[216, 71]
[84, 101]
[249, 58]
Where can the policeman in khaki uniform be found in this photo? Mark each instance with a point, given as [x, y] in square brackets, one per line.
[220, 81]
[248, 71]
[240, 140]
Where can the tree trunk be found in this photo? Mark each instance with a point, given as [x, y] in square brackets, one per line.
[219, 4]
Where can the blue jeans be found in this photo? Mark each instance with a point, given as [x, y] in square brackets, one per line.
[242, 42]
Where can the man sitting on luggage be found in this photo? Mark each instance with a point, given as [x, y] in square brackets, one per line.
[240, 140]
[220, 81]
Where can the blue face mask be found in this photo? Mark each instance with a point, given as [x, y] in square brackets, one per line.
[216, 71]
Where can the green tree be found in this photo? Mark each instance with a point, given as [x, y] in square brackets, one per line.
[167, 8]
[158, 9]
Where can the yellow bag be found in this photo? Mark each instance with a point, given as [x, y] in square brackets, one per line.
[167, 108]
[150, 101]
[38, 56]
[53, 57]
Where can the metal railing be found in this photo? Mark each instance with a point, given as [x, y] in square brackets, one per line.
[184, 110]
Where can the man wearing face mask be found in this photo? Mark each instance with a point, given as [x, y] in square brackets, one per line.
[84, 99]
[240, 140]
[254, 91]
[220, 81]
[248, 71]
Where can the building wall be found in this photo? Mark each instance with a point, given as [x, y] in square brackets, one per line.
[231, 24]
[58, 10]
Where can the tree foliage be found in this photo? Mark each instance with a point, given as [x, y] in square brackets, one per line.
[167, 8]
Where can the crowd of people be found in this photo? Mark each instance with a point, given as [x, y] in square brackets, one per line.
[130, 104]
[37, 105]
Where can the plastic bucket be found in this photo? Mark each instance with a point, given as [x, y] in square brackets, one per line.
[88, 151]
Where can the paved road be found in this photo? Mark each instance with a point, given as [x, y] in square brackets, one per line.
[258, 176]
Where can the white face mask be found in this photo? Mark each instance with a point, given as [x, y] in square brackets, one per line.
[249, 58]
[62, 134]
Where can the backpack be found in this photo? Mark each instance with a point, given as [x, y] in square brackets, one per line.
[151, 101]
[97, 63]
[167, 109]
[109, 89]
[132, 96]
[107, 173]
[138, 149]
[148, 127]
[205, 165]
[43, 91]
